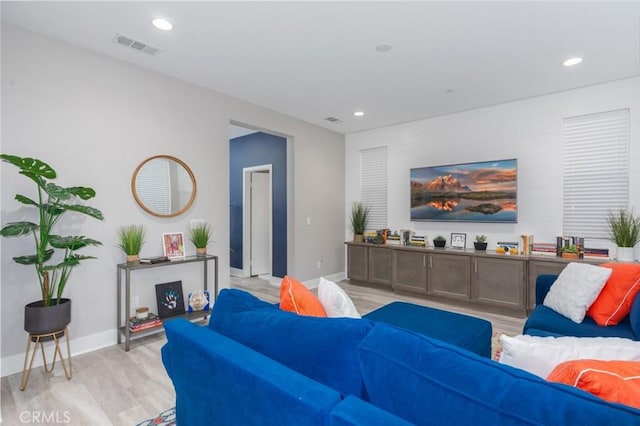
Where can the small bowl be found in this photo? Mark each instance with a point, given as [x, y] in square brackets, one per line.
[142, 313]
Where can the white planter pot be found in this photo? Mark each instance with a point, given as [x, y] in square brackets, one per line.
[625, 254]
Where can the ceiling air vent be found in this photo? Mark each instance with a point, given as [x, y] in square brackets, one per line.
[135, 44]
[333, 120]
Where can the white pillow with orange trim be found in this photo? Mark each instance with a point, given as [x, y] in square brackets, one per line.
[614, 381]
[614, 301]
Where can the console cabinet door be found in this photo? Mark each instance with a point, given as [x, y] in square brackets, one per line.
[449, 276]
[358, 262]
[380, 265]
[500, 284]
[410, 271]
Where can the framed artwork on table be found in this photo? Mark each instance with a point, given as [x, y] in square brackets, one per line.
[170, 299]
[173, 245]
[458, 240]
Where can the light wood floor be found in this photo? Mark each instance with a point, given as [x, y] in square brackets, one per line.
[114, 387]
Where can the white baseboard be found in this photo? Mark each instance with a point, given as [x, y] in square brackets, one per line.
[314, 283]
[14, 363]
[237, 272]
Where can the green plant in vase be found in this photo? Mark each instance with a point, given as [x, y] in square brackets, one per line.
[200, 235]
[359, 219]
[481, 242]
[624, 231]
[132, 239]
[439, 241]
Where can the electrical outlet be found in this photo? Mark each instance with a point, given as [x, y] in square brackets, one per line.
[319, 264]
[135, 302]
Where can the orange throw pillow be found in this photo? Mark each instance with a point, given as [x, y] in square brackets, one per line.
[614, 381]
[295, 297]
[614, 302]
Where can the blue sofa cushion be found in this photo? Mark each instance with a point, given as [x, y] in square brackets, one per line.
[544, 321]
[249, 388]
[324, 349]
[464, 331]
[427, 381]
[353, 411]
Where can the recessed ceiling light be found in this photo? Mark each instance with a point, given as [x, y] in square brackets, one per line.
[384, 47]
[162, 24]
[571, 62]
[358, 113]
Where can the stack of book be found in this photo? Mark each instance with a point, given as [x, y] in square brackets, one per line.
[137, 324]
[543, 249]
[418, 241]
[152, 260]
[394, 239]
[596, 253]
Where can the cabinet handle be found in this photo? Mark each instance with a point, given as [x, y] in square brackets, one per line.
[430, 262]
[475, 265]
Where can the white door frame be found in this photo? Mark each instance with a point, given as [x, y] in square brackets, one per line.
[246, 216]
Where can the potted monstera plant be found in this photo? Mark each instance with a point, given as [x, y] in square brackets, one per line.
[55, 255]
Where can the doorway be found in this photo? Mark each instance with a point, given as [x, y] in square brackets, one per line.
[258, 188]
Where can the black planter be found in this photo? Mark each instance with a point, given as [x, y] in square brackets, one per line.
[439, 243]
[40, 319]
[479, 246]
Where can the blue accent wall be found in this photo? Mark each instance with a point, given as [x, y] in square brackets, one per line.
[254, 150]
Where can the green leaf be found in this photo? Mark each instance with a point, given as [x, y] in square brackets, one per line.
[33, 259]
[70, 262]
[82, 192]
[57, 191]
[72, 243]
[26, 200]
[89, 211]
[30, 165]
[54, 209]
[16, 229]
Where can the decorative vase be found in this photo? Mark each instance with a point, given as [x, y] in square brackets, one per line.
[625, 254]
[358, 238]
[40, 319]
[133, 259]
[201, 251]
[480, 246]
[439, 243]
[570, 255]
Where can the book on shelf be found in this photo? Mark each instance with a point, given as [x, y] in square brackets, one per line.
[146, 326]
[133, 321]
[153, 260]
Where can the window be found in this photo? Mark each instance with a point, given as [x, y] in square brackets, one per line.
[596, 171]
[373, 185]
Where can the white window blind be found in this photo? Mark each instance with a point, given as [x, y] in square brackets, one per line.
[153, 186]
[373, 185]
[596, 171]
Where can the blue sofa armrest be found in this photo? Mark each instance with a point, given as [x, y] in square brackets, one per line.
[634, 317]
[543, 284]
[219, 381]
[353, 411]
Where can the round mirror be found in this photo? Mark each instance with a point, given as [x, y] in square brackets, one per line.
[163, 186]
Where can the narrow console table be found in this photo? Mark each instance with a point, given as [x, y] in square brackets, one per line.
[123, 317]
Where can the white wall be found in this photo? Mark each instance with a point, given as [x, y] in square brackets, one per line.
[94, 119]
[529, 130]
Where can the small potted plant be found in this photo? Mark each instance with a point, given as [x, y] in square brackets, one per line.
[200, 236]
[131, 241]
[439, 241]
[481, 242]
[359, 218]
[570, 252]
[624, 231]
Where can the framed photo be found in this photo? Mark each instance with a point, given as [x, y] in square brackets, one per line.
[173, 245]
[471, 192]
[170, 299]
[458, 240]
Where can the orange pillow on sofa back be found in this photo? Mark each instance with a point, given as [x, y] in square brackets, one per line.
[614, 302]
[614, 381]
[295, 297]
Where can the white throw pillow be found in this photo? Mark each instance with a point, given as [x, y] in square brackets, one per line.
[335, 301]
[540, 355]
[575, 289]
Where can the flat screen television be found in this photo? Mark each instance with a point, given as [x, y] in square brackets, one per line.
[469, 192]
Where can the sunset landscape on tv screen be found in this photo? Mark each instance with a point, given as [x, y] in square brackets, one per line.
[472, 192]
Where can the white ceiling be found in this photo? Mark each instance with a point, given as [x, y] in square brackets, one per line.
[313, 60]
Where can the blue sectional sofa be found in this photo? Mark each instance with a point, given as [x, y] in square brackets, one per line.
[257, 365]
[544, 321]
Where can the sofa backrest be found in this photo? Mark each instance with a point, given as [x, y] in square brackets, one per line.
[221, 382]
[324, 349]
[426, 381]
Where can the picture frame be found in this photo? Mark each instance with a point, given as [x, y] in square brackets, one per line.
[173, 245]
[458, 240]
[170, 299]
[484, 191]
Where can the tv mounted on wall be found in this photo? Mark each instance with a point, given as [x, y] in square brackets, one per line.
[469, 192]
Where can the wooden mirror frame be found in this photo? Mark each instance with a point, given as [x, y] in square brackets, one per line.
[147, 209]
